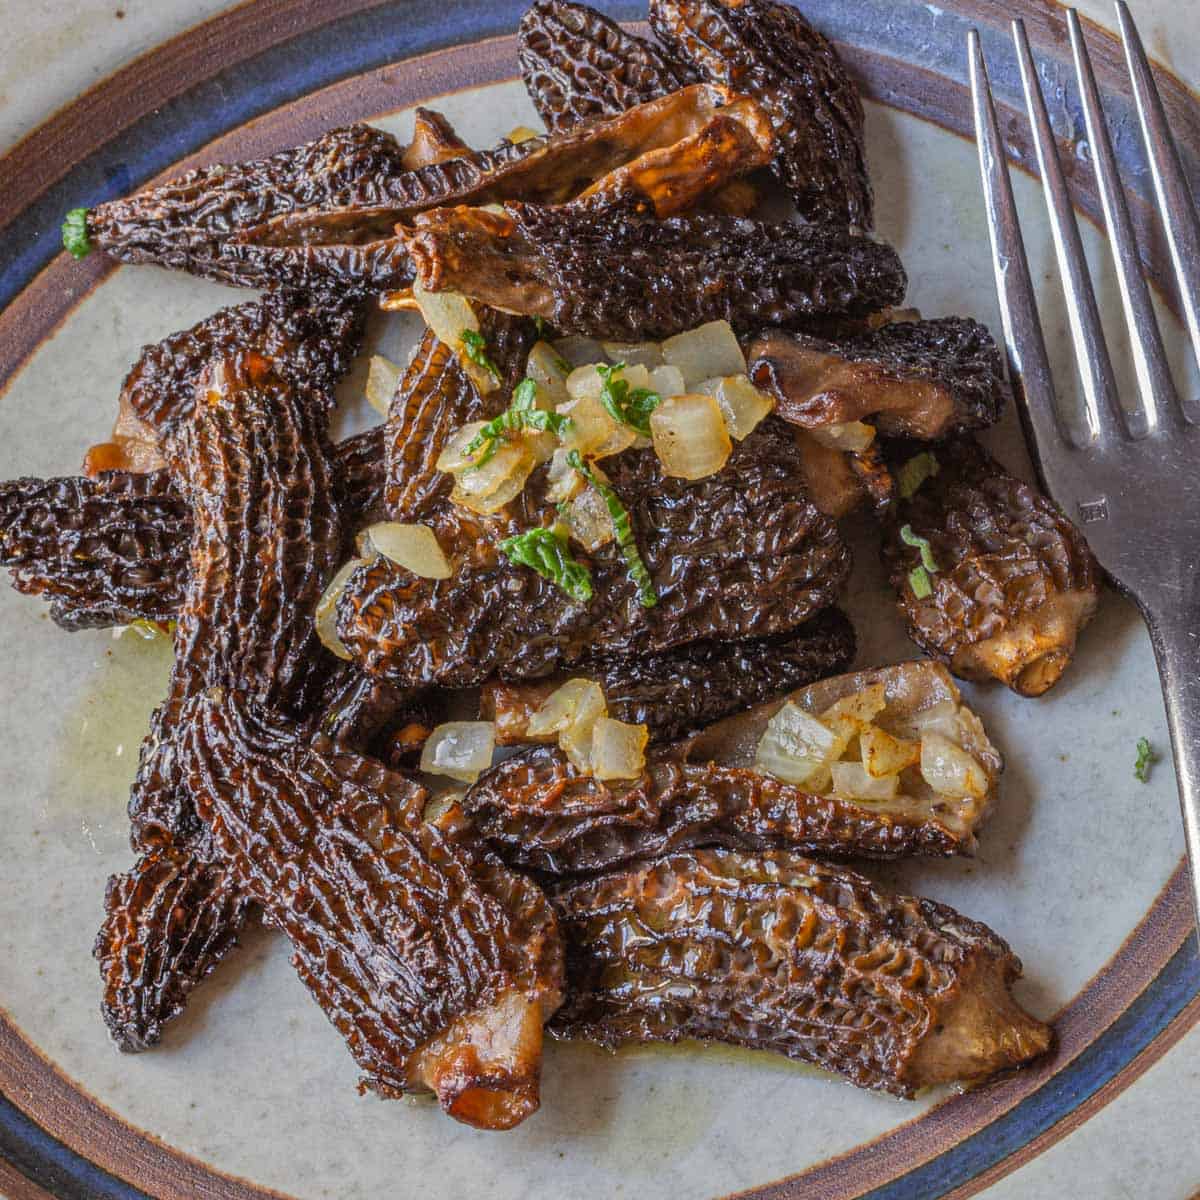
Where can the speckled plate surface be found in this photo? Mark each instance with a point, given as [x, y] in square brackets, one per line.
[251, 1093]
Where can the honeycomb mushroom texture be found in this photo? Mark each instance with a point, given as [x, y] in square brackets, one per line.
[436, 964]
[540, 813]
[356, 709]
[769, 51]
[358, 265]
[663, 153]
[433, 400]
[115, 549]
[579, 65]
[916, 379]
[309, 342]
[1015, 582]
[253, 460]
[266, 538]
[742, 553]
[777, 952]
[103, 551]
[185, 223]
[167, 924]
[607, 272]
[682, 689]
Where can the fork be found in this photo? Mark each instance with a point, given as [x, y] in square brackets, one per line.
[1128, 475]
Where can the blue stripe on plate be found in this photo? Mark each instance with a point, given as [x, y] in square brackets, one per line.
[917, 33]
[351, 46]
[52, 1166]
[1131, 1033]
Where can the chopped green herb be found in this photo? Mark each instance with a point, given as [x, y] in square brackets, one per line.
[921, 584]
[913, 474]
[912, 539]
[546, 552]
[622, 528]
[1146, 758]
[520, 414]
[74, 233]
[632, 408]
[475, 348]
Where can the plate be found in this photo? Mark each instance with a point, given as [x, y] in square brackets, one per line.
[251, 1092]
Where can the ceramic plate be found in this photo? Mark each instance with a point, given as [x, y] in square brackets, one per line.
[251, 1092]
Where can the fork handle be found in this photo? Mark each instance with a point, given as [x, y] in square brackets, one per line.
[1177, 646]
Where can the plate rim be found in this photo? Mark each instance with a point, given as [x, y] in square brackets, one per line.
[49, 290]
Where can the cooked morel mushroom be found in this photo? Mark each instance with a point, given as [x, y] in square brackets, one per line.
[875, 764]
[769, 51]
[579, 64]
[917, 379]
[778, 952]
[611, 273]
[990, 575]
[681, 690]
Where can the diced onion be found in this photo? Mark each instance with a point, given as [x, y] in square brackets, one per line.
[852, 780]
[592, 431]
[449, 315]
[413, 547]
[577, 700]
[576, 743]
[854, 712]
[460, 749]
[578, 351]
[546, 368]
[589, 519]
[488, 488]
[941, 718]
[742, 405]
[521, 133]
[563, 482]
[618, 749]
[667, 381]
[454, 457]
[644, 354]
[541, 445]
[690, 437]
[586, 381]
[851, 436]
[708, 352]
[796, 747]
[950, 770]
[326, 614]
[383, 376]
[884, 755]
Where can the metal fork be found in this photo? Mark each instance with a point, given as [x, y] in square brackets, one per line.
[1129, 476]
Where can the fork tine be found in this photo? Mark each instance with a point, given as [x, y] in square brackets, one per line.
[1149, 357]
[1083, 315]
[1175, 203]
[1029, 365]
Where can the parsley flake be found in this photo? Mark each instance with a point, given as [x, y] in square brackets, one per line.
[921, 584]
[919, 543]
[75, 234]
[546, 552]
[474, 346]
[632, 408]
[1146, 758]
[626, 543]
[912, 476]
[519, 415]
